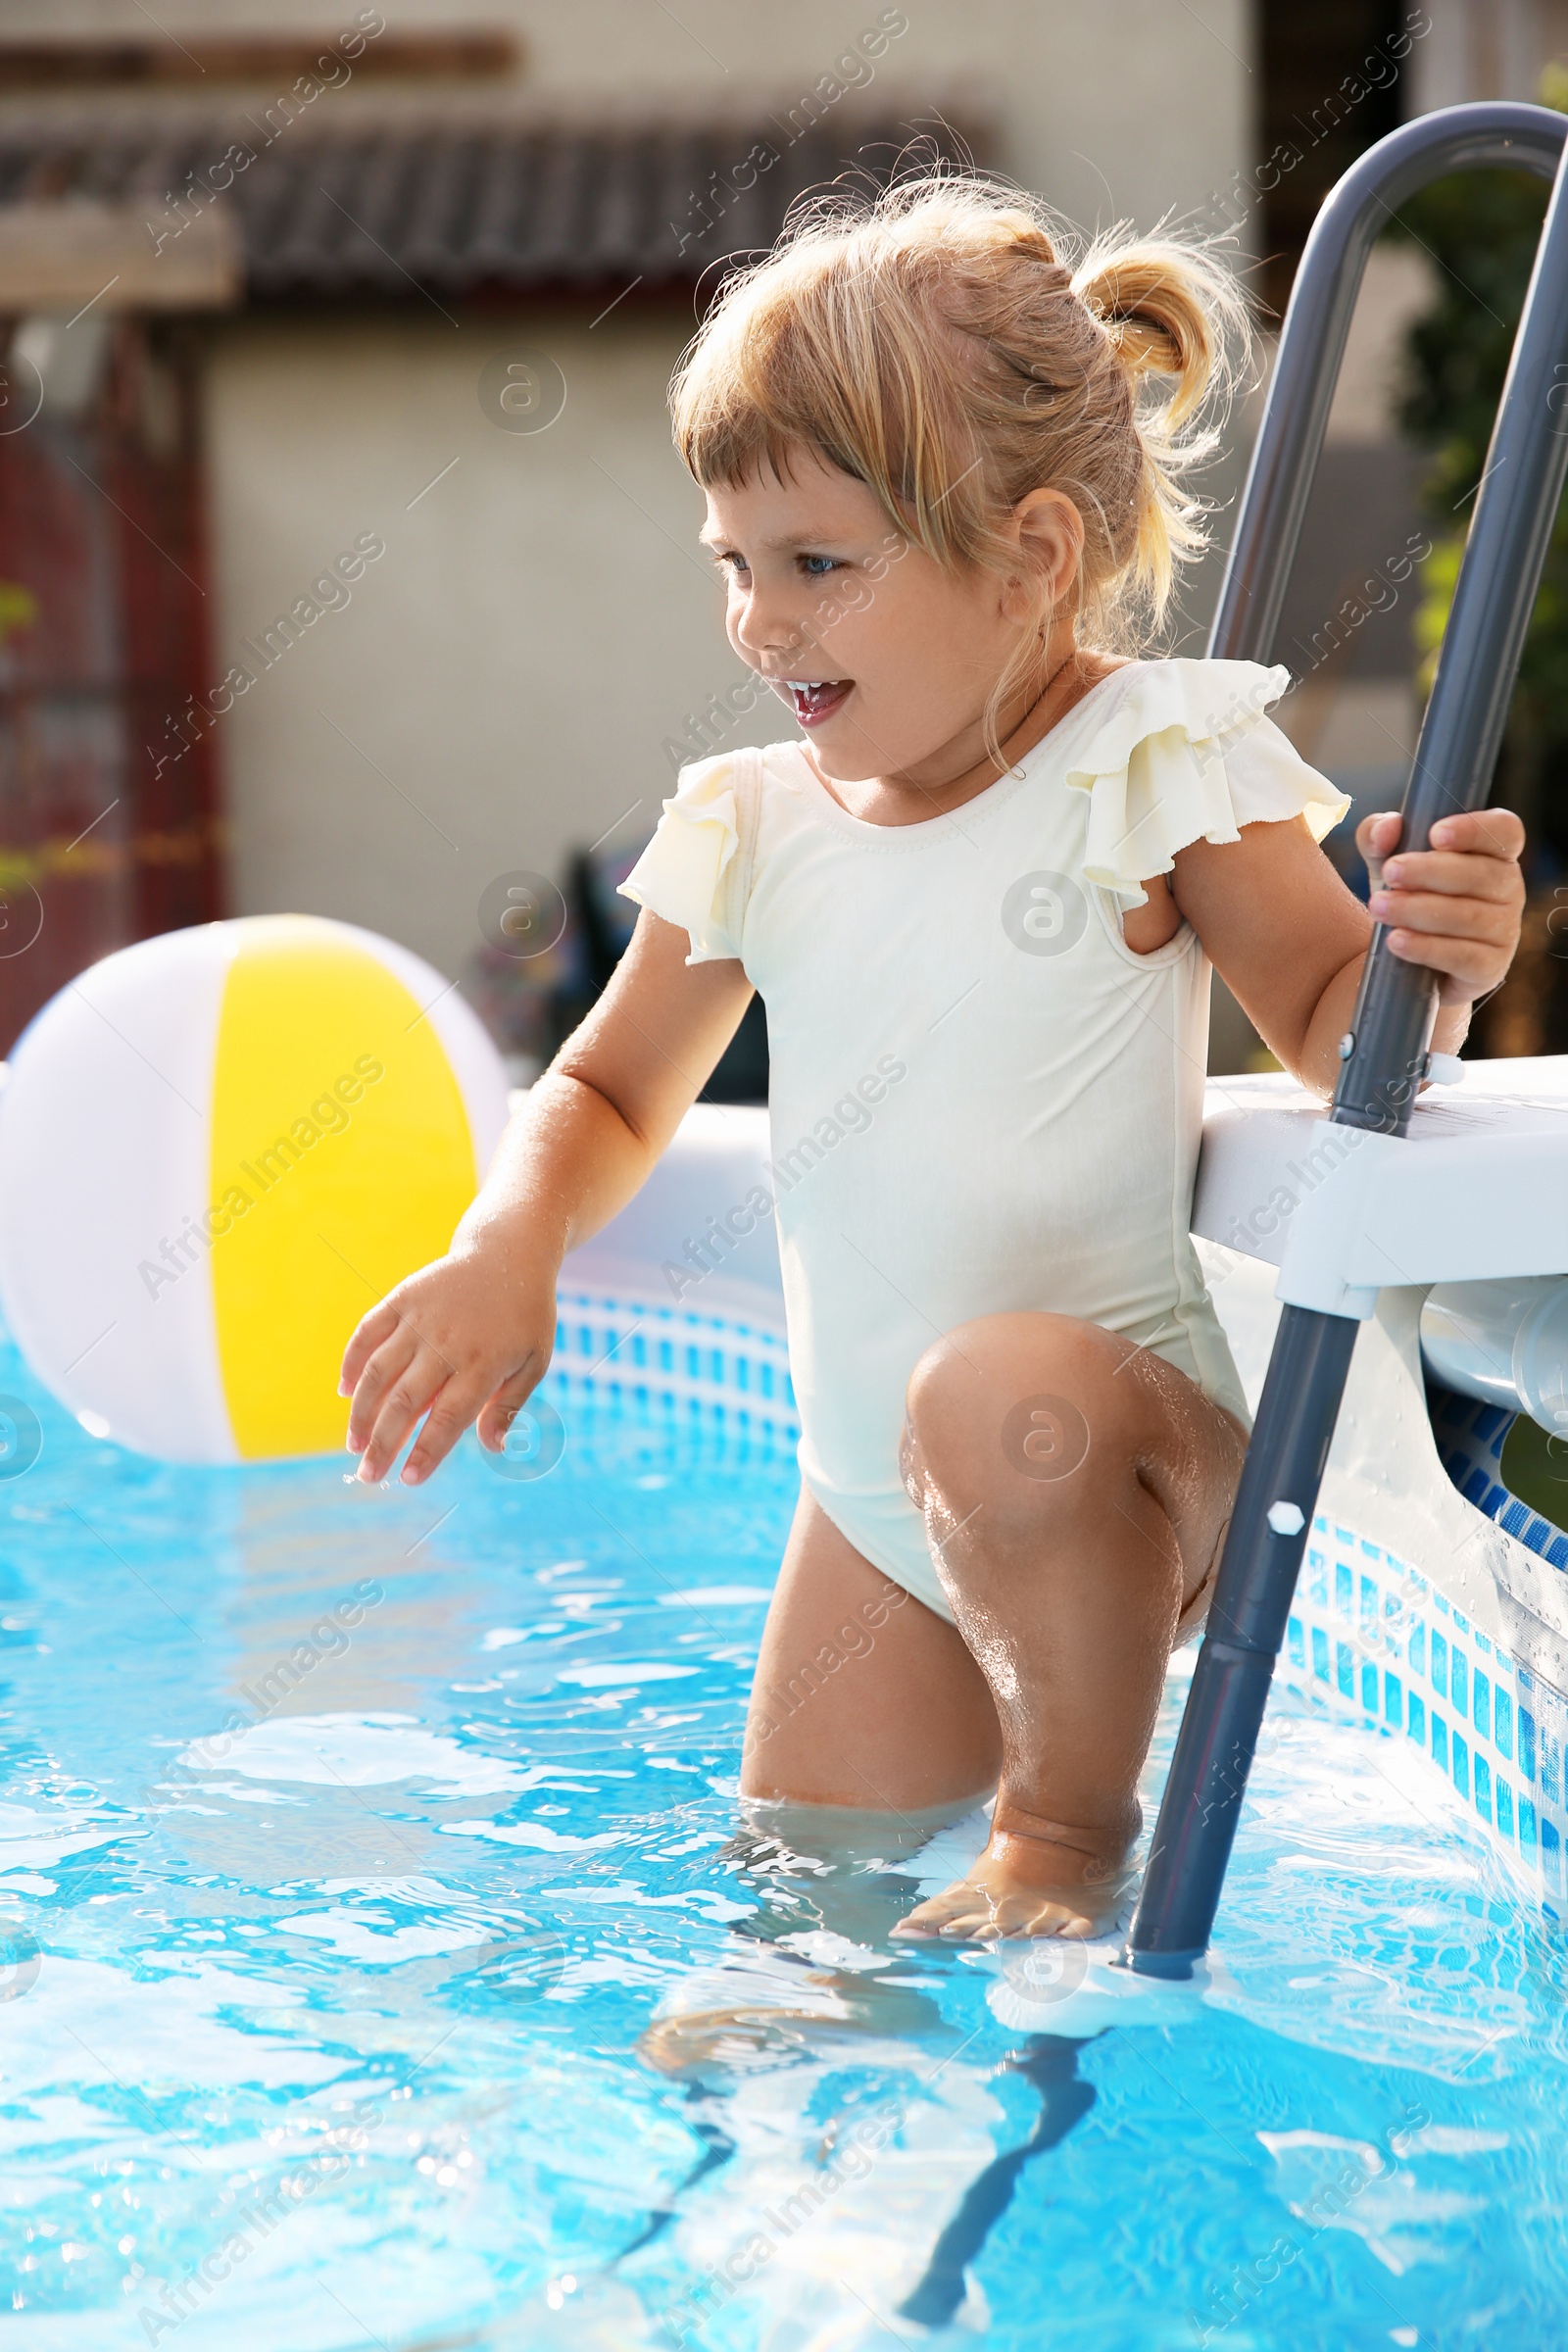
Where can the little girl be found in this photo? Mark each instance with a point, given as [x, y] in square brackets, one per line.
[980, 891]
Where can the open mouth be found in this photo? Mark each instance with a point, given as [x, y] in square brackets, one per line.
[813, 700]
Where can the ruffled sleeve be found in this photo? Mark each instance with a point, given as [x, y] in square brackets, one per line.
[684, 873]
[1188, 754]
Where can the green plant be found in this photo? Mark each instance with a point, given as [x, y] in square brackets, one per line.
[19, 608]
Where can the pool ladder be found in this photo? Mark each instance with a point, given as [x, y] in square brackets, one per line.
[1384, 1055]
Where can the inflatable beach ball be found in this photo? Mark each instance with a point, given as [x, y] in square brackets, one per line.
[217, 1148]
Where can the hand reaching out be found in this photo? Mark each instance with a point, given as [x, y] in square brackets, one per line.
[463, 1340]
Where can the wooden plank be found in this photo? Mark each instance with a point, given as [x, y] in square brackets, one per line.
[59, 257]
[464, 53]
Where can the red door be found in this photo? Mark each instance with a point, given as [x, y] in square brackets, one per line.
[109, 825]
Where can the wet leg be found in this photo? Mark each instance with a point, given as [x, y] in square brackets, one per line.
[1076, 1489]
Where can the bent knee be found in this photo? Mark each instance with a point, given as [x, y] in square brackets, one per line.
[1030, 1392]
[1000, 1357]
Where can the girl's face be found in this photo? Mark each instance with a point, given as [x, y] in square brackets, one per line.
[887, 659]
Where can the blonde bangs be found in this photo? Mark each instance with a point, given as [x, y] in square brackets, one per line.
[796, 356]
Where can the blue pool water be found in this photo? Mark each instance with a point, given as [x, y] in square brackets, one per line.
[324, 2033]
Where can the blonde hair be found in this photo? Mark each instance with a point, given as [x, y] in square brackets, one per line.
[933, 343]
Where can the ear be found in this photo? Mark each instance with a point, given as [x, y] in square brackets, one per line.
[1049, 534]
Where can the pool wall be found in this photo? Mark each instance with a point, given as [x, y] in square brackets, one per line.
[1416, 1611]
[1373, 1641]
[629, 1346]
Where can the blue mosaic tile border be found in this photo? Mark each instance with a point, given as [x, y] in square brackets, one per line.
[1470, 1438]
[1375, 1641]
[671, 1361]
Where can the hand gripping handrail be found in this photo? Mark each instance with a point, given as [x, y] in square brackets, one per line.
[1385, 1052]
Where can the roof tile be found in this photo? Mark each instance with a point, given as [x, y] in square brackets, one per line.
[457, 211]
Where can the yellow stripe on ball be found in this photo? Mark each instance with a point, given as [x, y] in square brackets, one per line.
[326, 1189]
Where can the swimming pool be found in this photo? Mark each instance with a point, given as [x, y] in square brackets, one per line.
[351, 1844]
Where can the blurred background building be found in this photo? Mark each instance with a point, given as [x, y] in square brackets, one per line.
[345, 564]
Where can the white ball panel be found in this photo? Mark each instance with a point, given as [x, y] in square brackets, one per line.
[105, 1128]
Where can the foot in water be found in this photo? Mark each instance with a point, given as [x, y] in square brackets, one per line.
[1030, 1882]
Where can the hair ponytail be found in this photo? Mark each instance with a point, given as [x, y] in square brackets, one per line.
[1172, 312]
[1162, 306]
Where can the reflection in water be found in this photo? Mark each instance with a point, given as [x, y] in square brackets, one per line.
[1051, 2063]
[831, 1880]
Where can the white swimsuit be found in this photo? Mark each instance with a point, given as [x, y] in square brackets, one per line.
[981, 1099]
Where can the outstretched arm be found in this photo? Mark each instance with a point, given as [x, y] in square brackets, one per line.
[1289, 940]
[470, 1337]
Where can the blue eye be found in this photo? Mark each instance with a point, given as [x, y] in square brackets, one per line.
[817, 566]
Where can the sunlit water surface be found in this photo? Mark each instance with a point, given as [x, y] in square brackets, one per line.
[324, 2033]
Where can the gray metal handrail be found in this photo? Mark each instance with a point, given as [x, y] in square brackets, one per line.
[1317, 323]
[1385, 1052]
